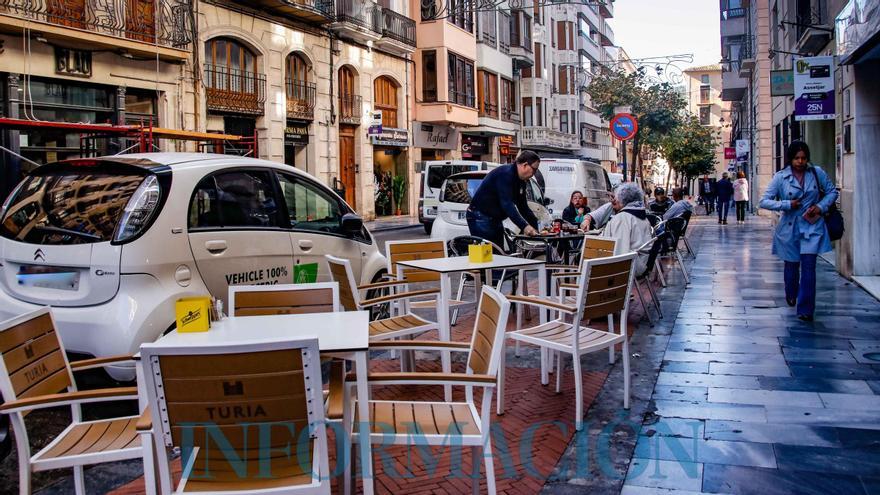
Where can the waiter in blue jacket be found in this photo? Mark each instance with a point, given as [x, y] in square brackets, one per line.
[501, 195]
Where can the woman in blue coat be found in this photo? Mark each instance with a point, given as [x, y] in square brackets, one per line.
[801, 234]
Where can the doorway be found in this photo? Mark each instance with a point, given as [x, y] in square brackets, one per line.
[347, 172]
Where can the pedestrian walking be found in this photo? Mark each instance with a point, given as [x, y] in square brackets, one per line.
[801, 234]
[724, 190]
[501, 195]
[707, 192]
[741, 196]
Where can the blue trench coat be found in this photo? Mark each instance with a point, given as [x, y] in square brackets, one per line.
[794, 234]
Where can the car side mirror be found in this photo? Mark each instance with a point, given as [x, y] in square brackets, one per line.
[351, 223]
[547, 202]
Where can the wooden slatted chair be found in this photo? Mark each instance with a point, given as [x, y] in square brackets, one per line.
[247, 418]
[434, 423]
[604, 287]
[408, 250]
[284, 299]
[35, 374]
[401, 325]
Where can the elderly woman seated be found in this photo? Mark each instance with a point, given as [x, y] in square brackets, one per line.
[629, 225]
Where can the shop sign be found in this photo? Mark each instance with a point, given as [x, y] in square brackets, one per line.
[73, 62]
[390, 136]
[296, 135]
[375, 128]
[729, 153]
[474, 145]
[742, 150]
[506, 145]
[441, 137]
[782, 82]
[814, 88]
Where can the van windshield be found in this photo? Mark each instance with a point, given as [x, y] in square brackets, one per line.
[438, 173]
[461, 190]
[68, 207]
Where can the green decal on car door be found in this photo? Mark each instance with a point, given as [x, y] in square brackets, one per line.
[306, 273]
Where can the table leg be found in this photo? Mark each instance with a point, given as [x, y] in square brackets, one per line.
[363, 399]
[542, 312]
[445, 332]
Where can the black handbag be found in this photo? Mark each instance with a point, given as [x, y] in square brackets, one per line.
[833, 217]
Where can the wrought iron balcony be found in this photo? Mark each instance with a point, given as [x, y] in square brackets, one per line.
[234, 91]
[398, 27]
[364, 15]
[350, 109]
[300, 100]
[733, 13]
[313, 11]
[489, 110]
[165, 23]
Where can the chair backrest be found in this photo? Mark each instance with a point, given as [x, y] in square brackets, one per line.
[675, 226]
[604, 287]
[597, 247]
[342, 274]
[251, 410]
[487, 342]
[397, 251]
[32, 358]
[284, 299]
[458, 246]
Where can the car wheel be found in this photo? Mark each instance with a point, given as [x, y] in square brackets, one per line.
[379, 311]
[428, 226]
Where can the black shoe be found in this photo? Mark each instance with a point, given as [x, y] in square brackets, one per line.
[719, 222]
[805, 317]
[725, 222]
[791, 302]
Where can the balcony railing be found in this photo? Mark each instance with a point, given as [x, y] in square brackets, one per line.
[549, 138]
[489, 110]
[509, 115]
[732, 13]
[234, 91]
[398, 27]
[461, 98]
[162, 22]
[362, 13]
[300, 100]
[350, 109]
[323, 7]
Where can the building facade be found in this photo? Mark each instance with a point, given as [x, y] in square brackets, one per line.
[704, 101]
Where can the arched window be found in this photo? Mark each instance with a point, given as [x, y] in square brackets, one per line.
[385, 100]
[300, 92]
[231, 77]
[349, 102]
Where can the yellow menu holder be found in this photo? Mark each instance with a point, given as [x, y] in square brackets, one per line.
[193, 314]
[480, 253]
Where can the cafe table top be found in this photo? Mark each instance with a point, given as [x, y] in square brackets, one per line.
[464, 264]
[343, 331]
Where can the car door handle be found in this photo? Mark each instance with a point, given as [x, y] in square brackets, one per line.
[215, 247]
[305, 245]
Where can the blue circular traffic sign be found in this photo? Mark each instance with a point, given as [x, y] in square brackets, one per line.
[624, 126]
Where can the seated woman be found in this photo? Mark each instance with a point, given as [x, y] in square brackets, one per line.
[570, 213]
[629, 225]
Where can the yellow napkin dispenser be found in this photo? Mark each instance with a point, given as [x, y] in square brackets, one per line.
[193, 314]
[480, 253]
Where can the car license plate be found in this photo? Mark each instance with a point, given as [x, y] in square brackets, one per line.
[462, 215]
[48, 277]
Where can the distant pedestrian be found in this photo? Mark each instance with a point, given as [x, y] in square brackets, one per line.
[800, 234]
[741, 196]
[707, 192]
[724, 190]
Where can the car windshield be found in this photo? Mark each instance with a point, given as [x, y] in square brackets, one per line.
[461, 190]
[438, 173]
[68, 207]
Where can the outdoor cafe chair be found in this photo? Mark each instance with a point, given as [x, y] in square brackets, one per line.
[419, 249]
[35, 374]
[246, 417]
[604, 287]
[675, 227]
[655, 245]
[412, 422]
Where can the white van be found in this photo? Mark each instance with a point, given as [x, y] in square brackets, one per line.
[559, 177]
[433, 175]
[616, 179]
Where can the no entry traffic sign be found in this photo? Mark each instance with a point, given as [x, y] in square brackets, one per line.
[624, 126]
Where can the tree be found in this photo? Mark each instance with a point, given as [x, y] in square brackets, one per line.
[656, 106]
[689, 148]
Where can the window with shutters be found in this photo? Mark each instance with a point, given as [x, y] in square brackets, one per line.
[503, 32]
[487, 92]
[527, 112]
[429, 76]
[486, 27]
[563, 80]
[385, 100]
[299, 90]
[539, 113]
[508, 101]
[539, 61]
[560, 35]
[461, 80]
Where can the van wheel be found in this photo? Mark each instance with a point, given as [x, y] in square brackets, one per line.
[428, 226]
[379, 311]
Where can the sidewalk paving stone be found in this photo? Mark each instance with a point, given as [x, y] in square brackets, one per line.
[656, 473]
[814, 436]
[765, 397]
[742, 480]
[704, 451]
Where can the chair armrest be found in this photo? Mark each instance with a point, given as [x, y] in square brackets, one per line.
[428, 378]
[565, 274]
[337, 390]
[145, 421]
[379, 285]
[537, 301]
[68, 398]
[562, 267]
[87, 364]
[568, 287]
[420, 345]
[393, 297]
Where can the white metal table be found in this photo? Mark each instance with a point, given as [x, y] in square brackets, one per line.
[447, 266]
[342, 334]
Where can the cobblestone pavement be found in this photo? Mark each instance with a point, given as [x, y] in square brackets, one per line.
[748, 399]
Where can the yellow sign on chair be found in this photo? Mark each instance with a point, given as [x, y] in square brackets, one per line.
[480, 253]
[193, 314]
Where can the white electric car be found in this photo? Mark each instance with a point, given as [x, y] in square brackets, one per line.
[111, 243]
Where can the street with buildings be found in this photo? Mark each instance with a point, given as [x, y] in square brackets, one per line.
[726, 374]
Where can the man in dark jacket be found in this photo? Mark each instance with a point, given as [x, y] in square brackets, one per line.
[661, 202]
[501, 195]
[724, 190]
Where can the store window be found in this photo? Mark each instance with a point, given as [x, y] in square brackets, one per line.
[385, 100]
[234, 199]
[461, 81]
[429, 75]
